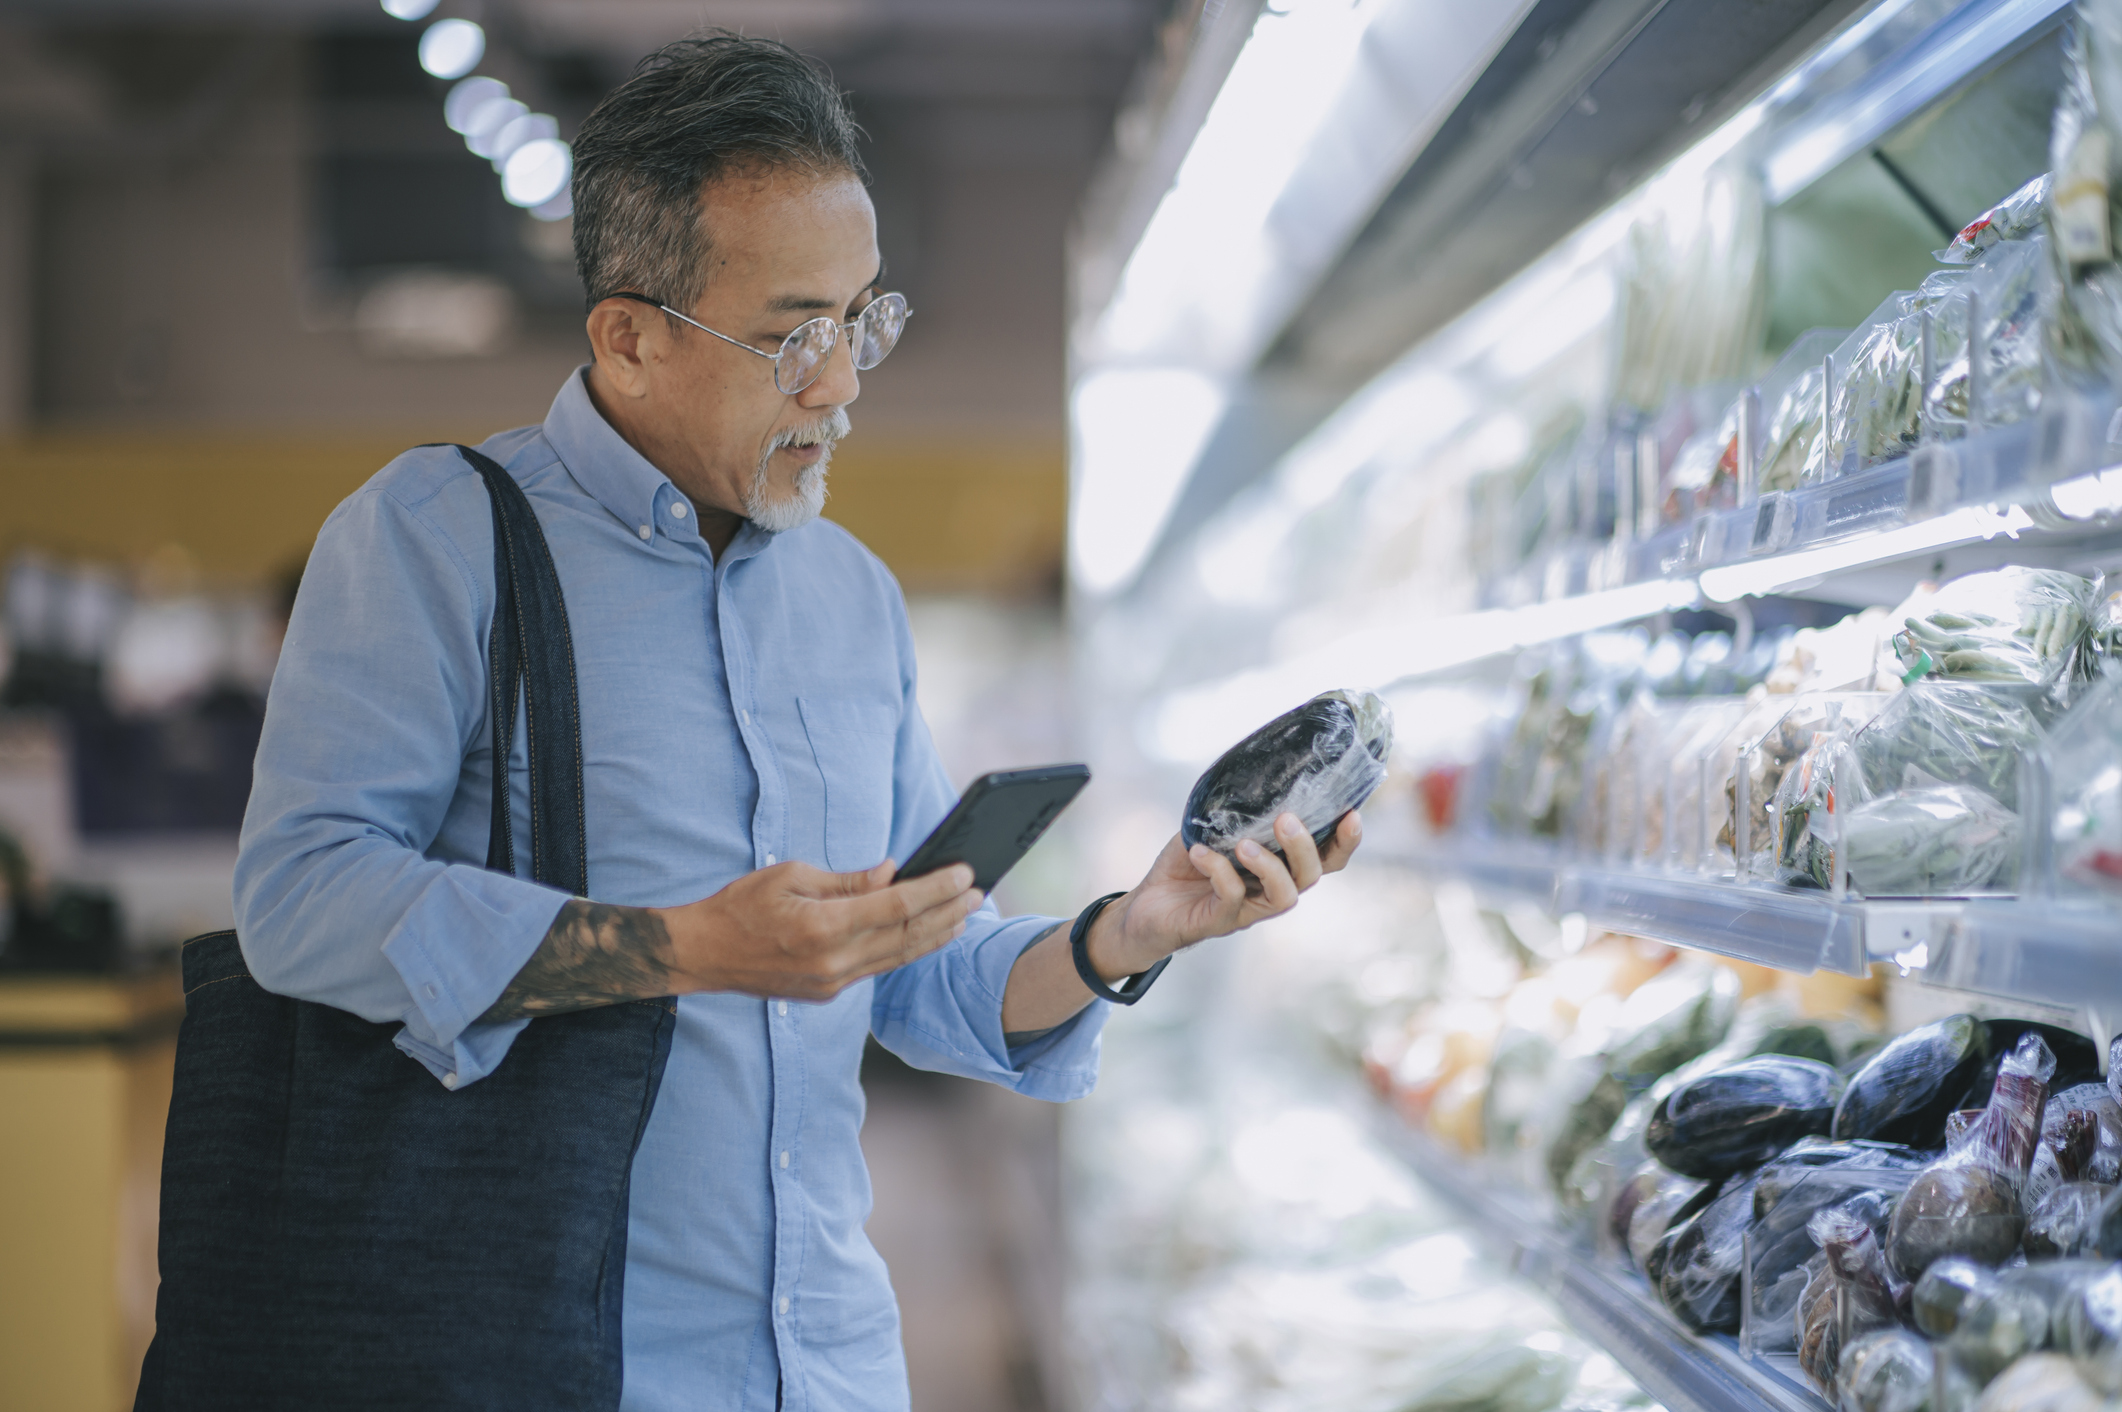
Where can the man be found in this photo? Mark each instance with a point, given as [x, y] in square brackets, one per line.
[753, 755]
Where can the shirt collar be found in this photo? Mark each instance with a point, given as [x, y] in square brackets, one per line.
[620, 478]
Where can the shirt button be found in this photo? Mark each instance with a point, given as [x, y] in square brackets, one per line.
[784, 1161]
[644, 531]
[784, 1007]
[745, 716]
[770, 861]
[449, 1080]
[677, 510]
[784, 1304]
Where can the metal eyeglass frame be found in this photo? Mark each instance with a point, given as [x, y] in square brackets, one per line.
[839, 329]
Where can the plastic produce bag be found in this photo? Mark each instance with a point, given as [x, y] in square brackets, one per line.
[2011, 1315]
[1904, 1091]
[1969, 1202]
[2086, 820]
[2081, 1140]
[2011, 289]
[2065, 1223]
[1319, 762]
[1941, 841]
[1670, 1201]
[2040, 1382]
[1947, 733]
[1861, 1178]
[1698, 1261]
[2013, 624]
[2014, 218]
[2085, 336]
[1738, 1117]
[1852, 1293]
[2088, 1327]
[1887, 1370]
[1949, 1286]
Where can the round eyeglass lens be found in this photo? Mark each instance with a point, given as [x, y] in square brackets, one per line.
[804, 354]
[877, 330]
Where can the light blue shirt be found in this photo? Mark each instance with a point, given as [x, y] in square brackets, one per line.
[734, 713]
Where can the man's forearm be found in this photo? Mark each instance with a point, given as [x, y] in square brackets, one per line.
[1044, 989]
[593, 955]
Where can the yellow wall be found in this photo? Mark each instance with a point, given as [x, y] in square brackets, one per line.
[945, 515]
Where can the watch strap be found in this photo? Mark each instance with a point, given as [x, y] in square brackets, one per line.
[1131, 989]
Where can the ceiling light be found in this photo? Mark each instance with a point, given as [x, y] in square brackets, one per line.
[537, 171]
[452, 48]
[467, 97]
[409, 9]
[518, 132]
[1138, 432]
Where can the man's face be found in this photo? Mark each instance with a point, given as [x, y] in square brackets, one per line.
[785, 247]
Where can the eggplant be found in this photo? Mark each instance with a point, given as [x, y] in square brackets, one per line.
[1903, 1093]
[1318, 762]
[1967, 1210]
[1676, 1201]
[1742, 1115]
[2077, 1058]
[1789, 1168]
[1698, 1274]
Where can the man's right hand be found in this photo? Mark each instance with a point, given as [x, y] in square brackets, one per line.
[790, 930]
[799, 932]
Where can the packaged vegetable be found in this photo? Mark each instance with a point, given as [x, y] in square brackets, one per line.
[2010, 1316]
[2065, 1223]
[1853, 1293]
[1886, 1370]
[2085, 334]
[1671, 1201]
[1865, 1183]
[2086, 818]
[1947, 1287]
[2039, 1382]
[2013, 624]
[2077, 1058]
[1318, 761]
[2008, 287]
[1968, 1203]
[2081, 1138]
[1740, 1116]
[2088, 1327]
[1791, 397]
[1942, 841]
[2014, 218]
[1943, 733]
[1904, 1091]
[1698, 1261]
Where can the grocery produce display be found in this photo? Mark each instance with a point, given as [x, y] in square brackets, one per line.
[1892, 1221]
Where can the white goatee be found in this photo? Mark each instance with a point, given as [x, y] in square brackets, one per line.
[807, 500]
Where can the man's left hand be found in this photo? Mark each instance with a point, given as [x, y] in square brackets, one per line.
[1194, 894]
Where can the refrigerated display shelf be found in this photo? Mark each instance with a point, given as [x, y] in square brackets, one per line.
[2009, 948]
[1612, 1308]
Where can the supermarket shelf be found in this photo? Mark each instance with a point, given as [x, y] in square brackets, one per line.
[1613, 1309]
[1996, 946]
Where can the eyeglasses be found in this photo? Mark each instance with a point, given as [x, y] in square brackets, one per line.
[802, 354]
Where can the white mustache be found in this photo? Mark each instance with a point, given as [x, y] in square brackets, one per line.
[829, 430]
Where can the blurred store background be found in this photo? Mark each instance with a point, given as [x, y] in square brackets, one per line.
[1586, 376]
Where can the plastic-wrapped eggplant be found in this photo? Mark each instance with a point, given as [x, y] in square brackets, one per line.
[1673, 1202]
[1781, 1243]
[2010, 1316]
[1317, 762]
[1887, 1370]
[2076, 1116]
[2107, 1226]
[2040, 1382]
[1678, 1016]
[2066, 1222]
[1742, 1115]
[1948, 1287]
[1853, 1293]
[1791, 1169]
[1968, 1203]
[1903, 1094]
[1698, 1271]
[2077, 1058]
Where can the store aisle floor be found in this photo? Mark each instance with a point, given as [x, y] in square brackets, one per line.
[941, 1158]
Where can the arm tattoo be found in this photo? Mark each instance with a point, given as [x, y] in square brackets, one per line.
[594, 955]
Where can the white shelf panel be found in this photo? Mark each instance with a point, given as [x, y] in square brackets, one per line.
[2004, 947]
[1614, 1309]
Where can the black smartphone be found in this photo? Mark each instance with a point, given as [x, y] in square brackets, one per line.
[996, 821]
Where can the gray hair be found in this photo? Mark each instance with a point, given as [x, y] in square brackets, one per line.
[691, 112]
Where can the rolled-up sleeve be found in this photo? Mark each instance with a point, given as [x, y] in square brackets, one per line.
[377, 714]
[944, 1011]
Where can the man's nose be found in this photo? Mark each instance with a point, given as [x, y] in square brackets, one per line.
[838, 383]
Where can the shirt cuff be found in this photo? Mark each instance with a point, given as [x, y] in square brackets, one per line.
[456, 950]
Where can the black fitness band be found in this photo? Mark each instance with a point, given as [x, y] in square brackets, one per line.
[1079, 948]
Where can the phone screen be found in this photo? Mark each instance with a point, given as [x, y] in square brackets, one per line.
[997, 821]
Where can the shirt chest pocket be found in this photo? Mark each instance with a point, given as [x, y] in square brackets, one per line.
[853, 742]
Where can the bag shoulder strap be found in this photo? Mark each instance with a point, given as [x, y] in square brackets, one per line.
[530, 646]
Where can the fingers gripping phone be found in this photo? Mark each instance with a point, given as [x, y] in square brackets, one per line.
[996, 822]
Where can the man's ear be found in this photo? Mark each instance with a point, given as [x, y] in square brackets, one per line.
[621, 336]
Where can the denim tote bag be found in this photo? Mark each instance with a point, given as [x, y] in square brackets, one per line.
[338, 1230]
